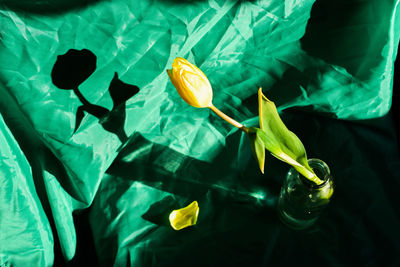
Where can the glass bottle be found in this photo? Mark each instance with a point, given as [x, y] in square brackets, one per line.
[301, 201]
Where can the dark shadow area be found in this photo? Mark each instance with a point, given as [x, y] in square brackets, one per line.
[242, 199]
[114, 121]
[363, 158]
[46, 7]
[165, 169]
[288, 87]
[185, 2]
[69, 71]
[85, 247]
[343, 31]
[72, 69]
[158, 213]
[234, 231]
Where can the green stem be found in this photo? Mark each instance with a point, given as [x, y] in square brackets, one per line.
[228, 119]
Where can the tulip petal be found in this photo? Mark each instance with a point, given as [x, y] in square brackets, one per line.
[184, 217]
[191, 83]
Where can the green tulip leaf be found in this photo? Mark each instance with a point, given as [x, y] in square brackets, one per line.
[280, 141]
[257, 146]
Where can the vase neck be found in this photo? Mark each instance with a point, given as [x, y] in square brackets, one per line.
[321, 169]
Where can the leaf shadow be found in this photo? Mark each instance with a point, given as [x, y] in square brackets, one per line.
[163, 168]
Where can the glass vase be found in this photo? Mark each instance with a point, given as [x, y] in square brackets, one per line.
[301, 201]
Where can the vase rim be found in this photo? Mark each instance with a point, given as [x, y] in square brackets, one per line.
[324, 168]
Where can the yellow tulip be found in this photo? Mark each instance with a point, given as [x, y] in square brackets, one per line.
[193, 87]
[184, 217]
[191, 83]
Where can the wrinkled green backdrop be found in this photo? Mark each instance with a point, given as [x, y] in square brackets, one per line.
[327, 64]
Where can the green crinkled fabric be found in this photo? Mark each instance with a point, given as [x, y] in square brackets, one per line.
[25, 231]
[132, 156]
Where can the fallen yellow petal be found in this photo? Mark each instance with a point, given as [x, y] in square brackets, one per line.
[184, 217]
